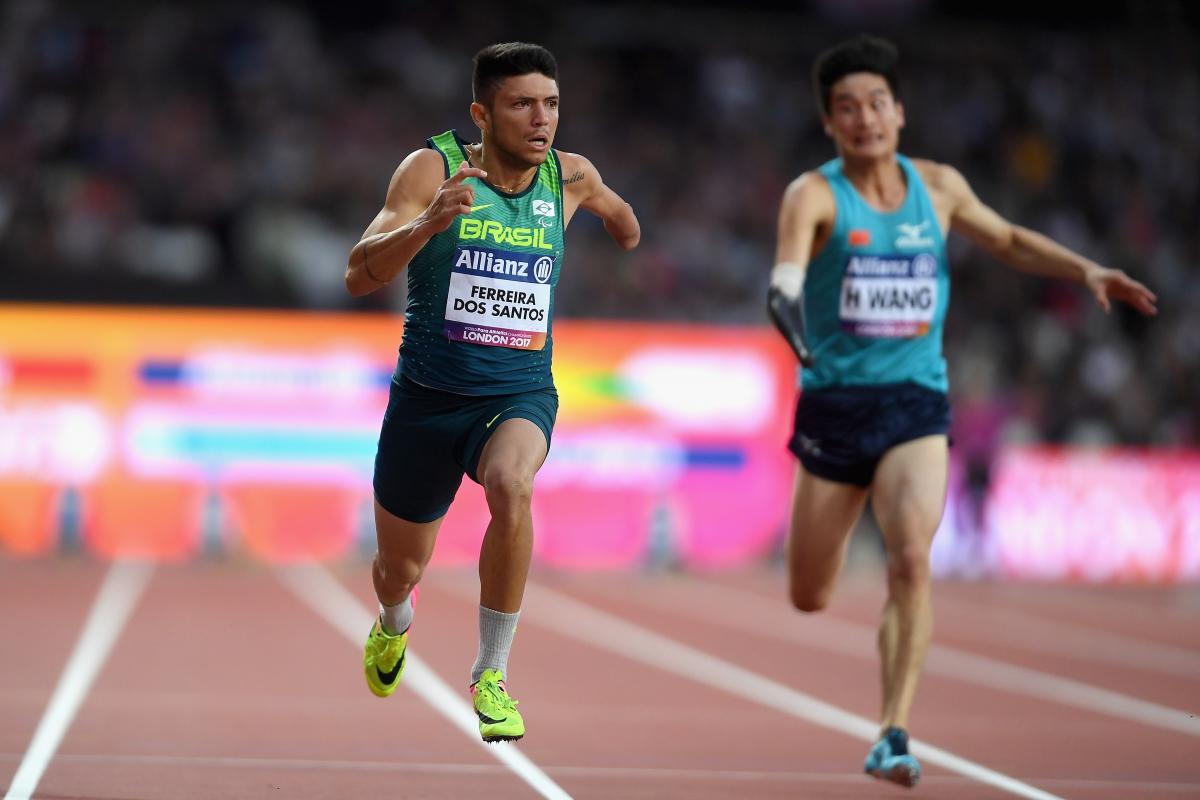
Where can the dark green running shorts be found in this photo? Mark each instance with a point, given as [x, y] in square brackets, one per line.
[430, 438]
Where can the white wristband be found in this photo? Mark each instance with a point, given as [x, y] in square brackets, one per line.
[788, 278]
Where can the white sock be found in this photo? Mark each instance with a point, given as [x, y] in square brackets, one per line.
[496, 630]
[397, 618]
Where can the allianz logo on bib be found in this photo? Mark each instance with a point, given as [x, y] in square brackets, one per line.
[910, 236]
[521, 267]
[922, 265]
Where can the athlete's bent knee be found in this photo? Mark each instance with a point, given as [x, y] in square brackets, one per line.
[810, 601]
[909, 566]
[509, 493]
[397, 576]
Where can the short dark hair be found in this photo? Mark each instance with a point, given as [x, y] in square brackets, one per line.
[861, 54]
[496, 62]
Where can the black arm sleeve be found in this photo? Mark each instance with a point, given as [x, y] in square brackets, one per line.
[788, 316]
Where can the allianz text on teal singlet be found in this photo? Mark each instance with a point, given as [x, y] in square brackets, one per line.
[875, 297]
[481, 293]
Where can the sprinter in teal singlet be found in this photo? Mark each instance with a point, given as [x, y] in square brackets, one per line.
[860, 290]
[479, 229]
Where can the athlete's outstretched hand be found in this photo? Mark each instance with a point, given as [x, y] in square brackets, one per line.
[787, 313]
[453, 197]
[1113, 284]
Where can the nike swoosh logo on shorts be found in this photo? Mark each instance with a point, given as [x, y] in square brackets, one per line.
[492, 421]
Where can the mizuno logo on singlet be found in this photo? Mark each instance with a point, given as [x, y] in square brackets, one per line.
[502, 234]
[913, 235]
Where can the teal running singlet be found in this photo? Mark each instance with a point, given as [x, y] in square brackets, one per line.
[875, 297]
[481, 293]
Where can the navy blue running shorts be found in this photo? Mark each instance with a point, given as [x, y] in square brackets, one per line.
[430, 438]
[842, 432]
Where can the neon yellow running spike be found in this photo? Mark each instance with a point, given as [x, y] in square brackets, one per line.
[499, 720]
[383, 660]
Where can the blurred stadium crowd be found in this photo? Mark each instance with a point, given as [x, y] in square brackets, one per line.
[232, 154]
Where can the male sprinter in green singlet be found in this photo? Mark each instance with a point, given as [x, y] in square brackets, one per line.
[860, 289]
[480, 229]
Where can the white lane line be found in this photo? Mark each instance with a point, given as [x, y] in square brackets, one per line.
[748, 611]
[1140, 787]
[118, 595]
[1020, 680]
[576, 620]
[1116, 602]
[1037, 634]
[314, 585]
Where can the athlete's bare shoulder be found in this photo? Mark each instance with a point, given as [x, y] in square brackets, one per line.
[584, 188]
[812, 182]
[410, 191]
[421, 171]
[806, 216]
[579, 175]
[413, 185]
[573, 159]
[940, 177]
[948, 189]
[811, 193]
[426, 159]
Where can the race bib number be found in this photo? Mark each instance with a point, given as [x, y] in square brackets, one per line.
[889, 297]
[499, 298]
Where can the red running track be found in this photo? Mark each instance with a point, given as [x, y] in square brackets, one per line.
[224, 683]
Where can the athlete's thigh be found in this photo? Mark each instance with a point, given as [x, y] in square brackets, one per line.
[909, 492]
[401, 539]
[824, 513]
[416, 473]
[512, 434]
[518, 448]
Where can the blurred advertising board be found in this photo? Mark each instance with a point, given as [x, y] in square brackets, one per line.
[1087, 515]
[167, 433]
[170, 432]
[1125, 515]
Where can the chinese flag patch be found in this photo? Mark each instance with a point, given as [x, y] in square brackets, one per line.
[860, 237]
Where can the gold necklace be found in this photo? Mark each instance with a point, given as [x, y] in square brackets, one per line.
[471, 161]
